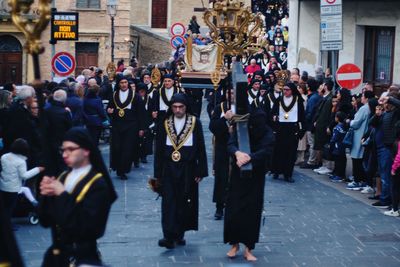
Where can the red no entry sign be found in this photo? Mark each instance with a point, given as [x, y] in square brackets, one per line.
[63, 64]
[349, 76]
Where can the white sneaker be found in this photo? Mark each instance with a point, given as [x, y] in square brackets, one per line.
[392, 213]
[367, 190]
[325, 170]
[320, 168]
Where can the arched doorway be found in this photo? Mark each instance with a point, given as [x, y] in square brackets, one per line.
[10, 60]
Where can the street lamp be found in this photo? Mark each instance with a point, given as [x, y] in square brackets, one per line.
[112, 12]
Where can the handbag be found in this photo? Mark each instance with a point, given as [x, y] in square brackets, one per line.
[348, 138]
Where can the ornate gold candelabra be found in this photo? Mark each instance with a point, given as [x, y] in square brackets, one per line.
[229, 23]
[32, 29]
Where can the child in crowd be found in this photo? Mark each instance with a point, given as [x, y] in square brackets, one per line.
[13, 172]
[395, 178]
[337, 148]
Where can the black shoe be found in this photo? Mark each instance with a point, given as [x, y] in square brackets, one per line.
[123, 177]
[309, 166]
[144, 160]
[219, 213]
[181, 242]
[289, 179]
[374, 197]
[380, 204]
[275, 176]
[166, 243]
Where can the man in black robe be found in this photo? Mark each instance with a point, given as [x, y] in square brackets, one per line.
[179, 165]
[246, 194]
[127, 112]
[289, 116]
[76, 205]
[219, 126]
[161, 99]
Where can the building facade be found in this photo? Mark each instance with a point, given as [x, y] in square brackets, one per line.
[141, 29]
[92, 49]
[371, 36]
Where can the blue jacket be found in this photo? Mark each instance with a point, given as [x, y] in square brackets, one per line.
[75, 104]
[336, 144]
[94, 110]
[312, 104]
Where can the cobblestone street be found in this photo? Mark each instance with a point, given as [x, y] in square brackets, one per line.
[308, 223]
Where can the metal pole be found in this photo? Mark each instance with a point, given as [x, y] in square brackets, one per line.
[112, 39]
[53, 45]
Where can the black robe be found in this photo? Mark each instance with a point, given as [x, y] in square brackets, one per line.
[77, 220]
[246, 195]
[219, 127]
[288, 135]
[179, 190]
[125, 134]
[9, 252]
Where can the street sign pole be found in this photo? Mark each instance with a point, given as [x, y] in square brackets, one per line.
[331, 37]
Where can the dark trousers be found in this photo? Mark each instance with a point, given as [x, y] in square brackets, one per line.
[358, 170]
[124, 147]
[395, 191]
[340, 165]
[10, 200]
[95, 132]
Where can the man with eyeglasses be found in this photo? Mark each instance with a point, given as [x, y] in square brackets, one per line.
[76, 205]
[180, 164]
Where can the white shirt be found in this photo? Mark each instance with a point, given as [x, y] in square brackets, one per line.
[75, 176]
[123, 96]
[169, 93]
[293, 113]
[276, 96]
[254, 93]
[179, 124]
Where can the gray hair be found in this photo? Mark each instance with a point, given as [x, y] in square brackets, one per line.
[60, 96]
[25, 92]
[4, 95]
[127, 73]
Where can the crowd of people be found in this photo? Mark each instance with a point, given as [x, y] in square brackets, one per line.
[54, 130]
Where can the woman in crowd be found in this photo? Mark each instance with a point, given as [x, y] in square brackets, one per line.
[301, 148]
[94, 113]
[360, 126]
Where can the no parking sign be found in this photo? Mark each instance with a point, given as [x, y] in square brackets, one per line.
[63, 64]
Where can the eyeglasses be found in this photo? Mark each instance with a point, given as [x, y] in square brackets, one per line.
[68, 150]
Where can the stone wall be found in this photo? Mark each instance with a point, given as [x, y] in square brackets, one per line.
[153, 48]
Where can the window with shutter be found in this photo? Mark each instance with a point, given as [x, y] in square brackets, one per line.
[88, 4]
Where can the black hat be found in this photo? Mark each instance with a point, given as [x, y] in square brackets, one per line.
[253, 81]
[120, 77]
[141, 86]
[82, 138]
[168, 76]
[293, 88]
[179, 98]
[259, 72]
[264, 87]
